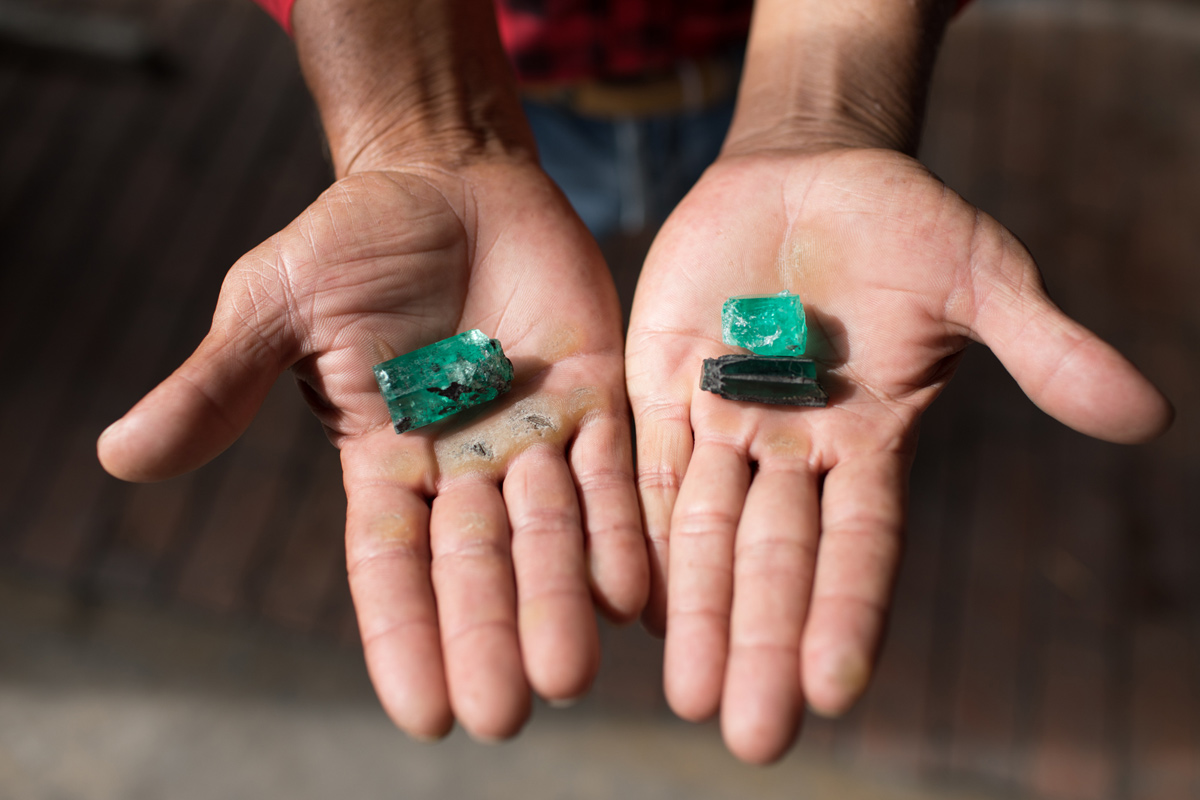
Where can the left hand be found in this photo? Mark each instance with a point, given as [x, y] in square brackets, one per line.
[476, 546]
[782, 541]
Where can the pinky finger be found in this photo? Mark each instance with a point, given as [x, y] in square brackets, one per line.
[861, 519]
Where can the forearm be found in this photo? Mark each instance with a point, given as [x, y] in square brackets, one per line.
[852, 72]
[409, 80]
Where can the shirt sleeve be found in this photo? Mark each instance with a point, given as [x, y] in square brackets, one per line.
[280, 11]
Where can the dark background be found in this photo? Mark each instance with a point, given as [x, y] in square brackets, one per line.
[196, 638]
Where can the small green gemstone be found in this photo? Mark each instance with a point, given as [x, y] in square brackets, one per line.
[769, 324]
[779, 380]
[443, 378]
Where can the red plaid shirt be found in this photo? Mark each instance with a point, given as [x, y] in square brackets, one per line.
[553, 41]
[565, 40]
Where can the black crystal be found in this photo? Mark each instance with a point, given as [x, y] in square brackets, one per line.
[779, 380]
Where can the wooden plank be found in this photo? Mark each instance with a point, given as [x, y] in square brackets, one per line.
[81, 164]
[127, 354]
[45, 93]
[897, 705]
[1077, 735]
[69, 516]
[40, 106]
[118, 122]
[42, 360]
[312, 562]
[148, 519]
[1070, 761]
[994, 52]
[631, 668]
[985, 731]
[987, 692]
[1165, 726]
[145, 545]
[252, 495]
[948, 139]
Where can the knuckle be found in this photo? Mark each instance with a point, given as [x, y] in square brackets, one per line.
[604, 480]
[775, 554]
[663, 410]
[700, 523]
[502, 626]
[478, 549]
[396, 627]
[371, 557]
[538, 522]
[615, 530]
[856, 603]
[764, 645]
[659, 479]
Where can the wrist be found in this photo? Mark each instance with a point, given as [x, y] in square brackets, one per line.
[822, 75]
[418, 81]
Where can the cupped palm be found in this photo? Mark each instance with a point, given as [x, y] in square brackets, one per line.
[776, 531]
[475, 547]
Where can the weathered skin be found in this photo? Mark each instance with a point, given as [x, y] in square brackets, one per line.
[515, 517]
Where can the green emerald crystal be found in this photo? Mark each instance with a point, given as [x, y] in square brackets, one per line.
[443, 378]
[769, 324]
[779, 380]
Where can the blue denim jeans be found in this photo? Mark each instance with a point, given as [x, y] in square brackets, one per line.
[626, 174]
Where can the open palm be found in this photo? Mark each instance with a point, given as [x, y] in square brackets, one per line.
[476, 546]
[774, 556]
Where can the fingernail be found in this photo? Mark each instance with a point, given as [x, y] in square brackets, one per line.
[480, 738]
[564, 702]
[845, 678]
[110, 430]
[852, 674]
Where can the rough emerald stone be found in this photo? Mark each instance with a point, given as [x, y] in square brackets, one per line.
[769, 324]
[443, 379]
[780, 380]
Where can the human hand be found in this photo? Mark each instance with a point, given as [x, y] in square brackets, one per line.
[474, 547]
[776, 531]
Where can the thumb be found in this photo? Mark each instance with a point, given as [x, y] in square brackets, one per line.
[206, 404]
[1068, 371]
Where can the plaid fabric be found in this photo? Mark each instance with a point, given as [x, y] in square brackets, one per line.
[557, 41]
[280, 11]
[553, 41]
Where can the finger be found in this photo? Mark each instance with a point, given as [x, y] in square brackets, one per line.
[206, 404]
[1068, 371]
[862, 517]
[664, 449]
[773, 567]
[602, 462]
[476, 604]
[387, 556]
[701, 588]
[559, 640]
